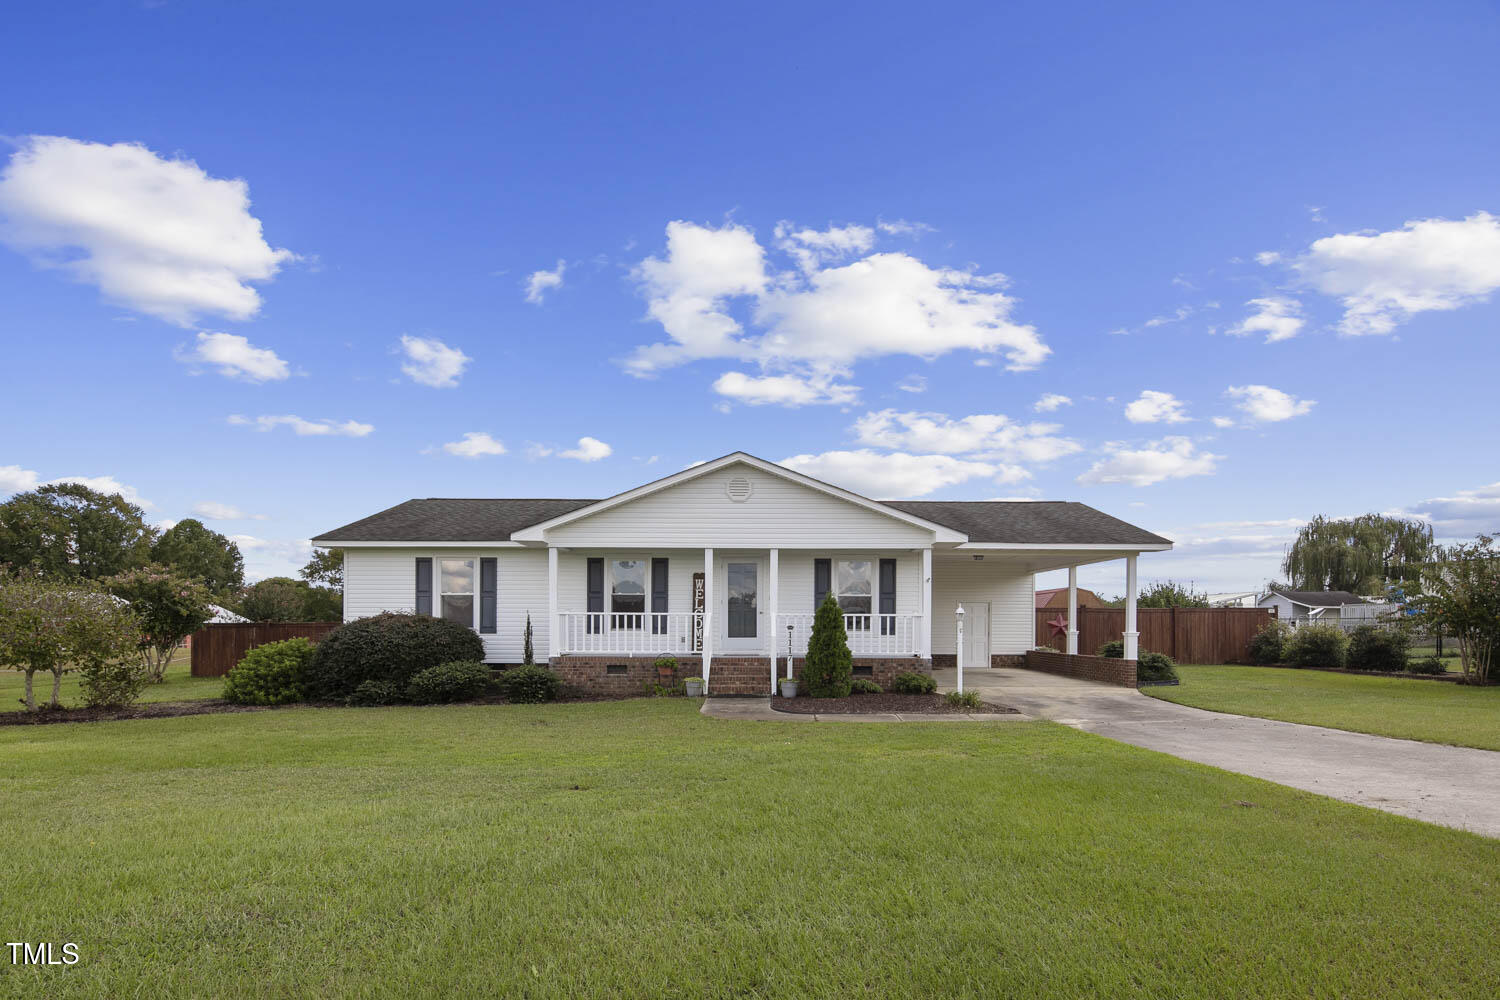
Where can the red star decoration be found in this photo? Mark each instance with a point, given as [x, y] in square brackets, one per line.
[1059, 626]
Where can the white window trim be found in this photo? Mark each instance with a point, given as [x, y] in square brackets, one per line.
[610, 559]
[439, 592]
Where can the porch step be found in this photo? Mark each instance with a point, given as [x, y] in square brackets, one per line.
[740, 675]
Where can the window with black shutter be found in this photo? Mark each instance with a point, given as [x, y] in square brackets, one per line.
[424, 585]
[822, 581]
[887, 597]
[488, 573]
[658, 597]
[595, 606]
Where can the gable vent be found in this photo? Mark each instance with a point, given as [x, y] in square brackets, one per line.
[739, 489]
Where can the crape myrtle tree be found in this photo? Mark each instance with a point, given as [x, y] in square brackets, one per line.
[1363, 555]
[170, 608]
[829, 669]
[55, 626]
[1461, 598]
[193, 550]
[67, 531]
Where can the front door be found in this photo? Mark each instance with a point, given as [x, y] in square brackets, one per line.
[976, 634]
[742, 604]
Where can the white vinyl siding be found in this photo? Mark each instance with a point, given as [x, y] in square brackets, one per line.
[779, 513]
[797, 578]
[1008, 589]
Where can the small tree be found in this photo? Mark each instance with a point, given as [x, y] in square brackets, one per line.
[276, 599]
[170, 608]
[829, 670]
[54, 626]
[528, 656]
[1462, 599]
[1170, 594]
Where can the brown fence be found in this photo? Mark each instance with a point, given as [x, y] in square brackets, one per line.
[217, 648]
[1187, 635]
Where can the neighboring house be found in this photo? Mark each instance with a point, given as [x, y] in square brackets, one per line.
[1057, 597]
[722, 565]
[1312, 605]
[223, 616]
[1237, 599]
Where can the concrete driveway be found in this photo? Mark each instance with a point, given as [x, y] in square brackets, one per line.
[1452, 786]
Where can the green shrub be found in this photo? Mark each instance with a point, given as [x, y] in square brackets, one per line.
[273, 674]
[1268, 645]
[371, 693]
[1154, 668]
[863, 685]
[461, 680]
[1427, 665]
[112, 683]
[969, 700]
[530, 685]
[1374, 648]
[910, 682]
[387, 647]
[1317, 646]
[830, 665]
[1114, 648]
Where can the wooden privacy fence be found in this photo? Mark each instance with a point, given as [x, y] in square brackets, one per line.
[217, 648]
[1187, 635]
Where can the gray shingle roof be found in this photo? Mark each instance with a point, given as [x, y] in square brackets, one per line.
[438, 519]
[1320, 598]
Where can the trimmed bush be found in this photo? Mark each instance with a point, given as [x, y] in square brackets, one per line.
[1374, 648]
[461, 680]
[1114, 648]
[910, 682]
[863, 685]
[969, 699]
[1427, 665]
[1268, 645]
[829, 666]
[112, 683]
[530, 685]
[272, 674]
[387, 647]
[1317, 646]
[372, 693]
[1155, 668]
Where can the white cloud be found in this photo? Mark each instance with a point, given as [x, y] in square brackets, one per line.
[1383, 279]
[432, 362]
[1467, 513]
[984, 436]
[901, 227]
[542, 282]
[475, 444]
[1223, 422]
[913, 383]
[1278, 317]
[14, 479]
[1169, 458]
[304, 428]
[1263, 404]
[812, 248]
[1153, 407]
[236, 357]
[107, 485]
[895, 474]
[785, 390]
[824, 318]
[159, 236]
[1050, 402]
[212, 510]
[588, 450]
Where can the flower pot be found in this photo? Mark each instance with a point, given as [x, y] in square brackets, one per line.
[788, 688]
[666, 675]
[694, 687]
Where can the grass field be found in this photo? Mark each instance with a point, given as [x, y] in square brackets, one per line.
[178, 686]
[1431, 711]
[638, 849]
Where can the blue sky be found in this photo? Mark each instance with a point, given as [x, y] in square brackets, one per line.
[411, 228]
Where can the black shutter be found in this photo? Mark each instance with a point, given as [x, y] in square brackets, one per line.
[658, 596]
[487, 575]
[887, 596]
[822, 581]
[424, 585]
[596, 595]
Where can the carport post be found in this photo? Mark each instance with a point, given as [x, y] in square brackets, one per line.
[958, 660]
[1073, 610]
[1132, 637]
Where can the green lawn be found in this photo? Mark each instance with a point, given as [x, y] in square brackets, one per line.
[1432, 711]
[638, 849]
[178, 686]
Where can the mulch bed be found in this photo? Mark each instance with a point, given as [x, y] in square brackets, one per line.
[154, 710]
[888, 703]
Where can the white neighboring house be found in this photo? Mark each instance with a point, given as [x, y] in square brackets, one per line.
[1324, 606]
[223, 616]
[722, 566]
[1237, 599]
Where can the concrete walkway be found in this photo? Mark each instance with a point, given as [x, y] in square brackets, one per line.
[1452, 786]
[760, 710]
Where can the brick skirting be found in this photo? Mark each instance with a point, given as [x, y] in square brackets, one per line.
[882, 669]
[590, 674]
[1103, 669]
[729, 675]
[949, 661]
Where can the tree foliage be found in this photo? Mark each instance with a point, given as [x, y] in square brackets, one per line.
[829, 667]
[283, 599]
[1170, 594]
[1363, 555]
[193, 550]
[55, 626]
[325, 568]
[528, 651]
[170, 608]
[1462, 599]
[67, 531]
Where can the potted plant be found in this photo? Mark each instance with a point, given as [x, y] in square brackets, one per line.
[788, 687]
[666, 670]
[694, 686]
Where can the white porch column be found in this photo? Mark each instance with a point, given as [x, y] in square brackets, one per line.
[1132, 637]
[554, 622]
[773, 598]
[926, 640]
[708, 613]
[1073, 610]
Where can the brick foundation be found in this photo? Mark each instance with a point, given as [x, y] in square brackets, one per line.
[1103, 669]
[883, 669]
[590, 674]
[949, 661]
[729, 675]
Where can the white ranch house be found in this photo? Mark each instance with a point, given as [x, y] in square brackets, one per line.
[722, 565]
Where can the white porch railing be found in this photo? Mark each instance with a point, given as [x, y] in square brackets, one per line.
[651, 633]
[869, 635]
